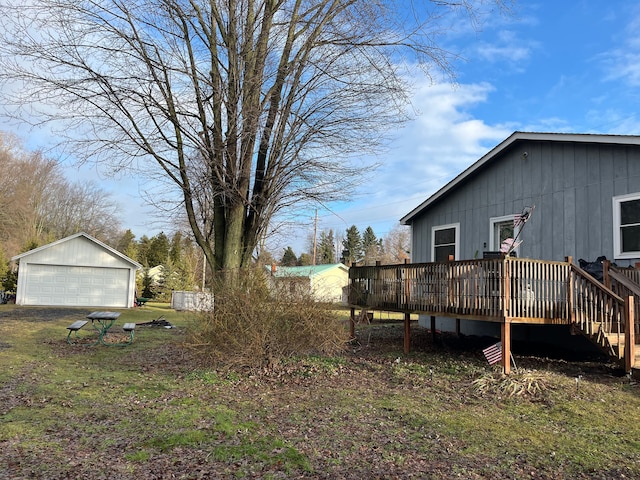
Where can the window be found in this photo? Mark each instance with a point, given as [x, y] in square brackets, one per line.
[626, 226]
[501, 229]
[445, 240]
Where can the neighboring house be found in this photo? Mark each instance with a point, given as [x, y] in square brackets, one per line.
[77, 271]
[325, 282]
[156, 275]
[585, 189]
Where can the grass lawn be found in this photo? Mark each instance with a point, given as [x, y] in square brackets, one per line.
[149, 410]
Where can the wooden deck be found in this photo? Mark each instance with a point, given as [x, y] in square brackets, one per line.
[508, 290]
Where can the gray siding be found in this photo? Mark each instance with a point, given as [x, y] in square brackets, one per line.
[570, 184]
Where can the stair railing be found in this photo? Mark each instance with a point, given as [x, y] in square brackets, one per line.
[596, 310]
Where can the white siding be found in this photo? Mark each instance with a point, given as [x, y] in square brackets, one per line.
[76, 286]
[76, 271]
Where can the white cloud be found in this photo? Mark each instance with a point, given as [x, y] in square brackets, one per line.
[507, 47]
[623, 62]
[442, 140]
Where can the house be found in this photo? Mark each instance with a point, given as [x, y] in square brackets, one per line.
[581, 192]
[326, 283]
[77, 271]
[585, 190]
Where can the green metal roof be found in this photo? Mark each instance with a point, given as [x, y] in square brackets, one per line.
[307, 271]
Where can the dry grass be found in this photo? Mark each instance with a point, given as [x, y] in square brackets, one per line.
[251, 328]
[151, 410]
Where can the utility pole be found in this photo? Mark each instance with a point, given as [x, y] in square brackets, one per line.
[315, 234]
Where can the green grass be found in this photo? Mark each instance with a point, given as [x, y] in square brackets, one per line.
[151, 409]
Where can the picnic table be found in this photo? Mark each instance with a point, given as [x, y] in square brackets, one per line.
[102, 322]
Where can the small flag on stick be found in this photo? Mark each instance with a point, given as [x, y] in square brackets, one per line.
[493, 354]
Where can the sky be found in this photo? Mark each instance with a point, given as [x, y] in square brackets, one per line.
[551, 66]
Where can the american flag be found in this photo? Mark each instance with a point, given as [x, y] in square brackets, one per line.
[521, 218]
[518, 220]
[493, 354]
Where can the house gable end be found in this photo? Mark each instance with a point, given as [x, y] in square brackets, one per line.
[80, 250]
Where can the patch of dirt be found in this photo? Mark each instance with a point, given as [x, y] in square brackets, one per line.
[42, 314]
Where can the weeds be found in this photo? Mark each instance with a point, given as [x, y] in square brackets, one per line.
[251, 327]
[526, 384]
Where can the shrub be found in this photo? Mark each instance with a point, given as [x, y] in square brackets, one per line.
[250, 327]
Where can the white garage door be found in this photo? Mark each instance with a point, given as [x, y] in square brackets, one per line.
[76, 286]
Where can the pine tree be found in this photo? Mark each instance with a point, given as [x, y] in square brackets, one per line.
[326, 248]
[289, 258]
[305, 259]
[127, 244]
[371, 246]
[158, 252]
[352, 244]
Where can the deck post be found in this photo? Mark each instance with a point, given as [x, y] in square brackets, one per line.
[505, 328]
[352, 323]
[605, 273]
[433, 328]
[629, 335]
[407, 286]
[407, 332]
[570, 311]
[457, 327]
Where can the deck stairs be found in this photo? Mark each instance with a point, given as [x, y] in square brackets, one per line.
[604, 327]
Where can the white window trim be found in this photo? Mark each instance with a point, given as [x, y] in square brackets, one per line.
[504, 218]
[434, 229]
[617, 238]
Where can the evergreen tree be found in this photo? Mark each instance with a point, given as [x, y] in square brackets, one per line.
[326, 248]
[305, 259]
[371, 246]
[289, 258]
[144, 245]
[127, 244]
[176, 248]
[352, 244]
[147, 285]
[158, 252]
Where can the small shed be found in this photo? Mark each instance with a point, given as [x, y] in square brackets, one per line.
[193, 301]
[324, 282]
[78, 271]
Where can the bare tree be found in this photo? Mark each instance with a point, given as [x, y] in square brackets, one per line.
[243, 107]
[38, 204]
[29, 180]
[397, 245]
[74, 207]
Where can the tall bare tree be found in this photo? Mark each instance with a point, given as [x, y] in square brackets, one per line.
[397, 245]
[38, 204]
[244, 107]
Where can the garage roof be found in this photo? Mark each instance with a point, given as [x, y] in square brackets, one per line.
[88, 237]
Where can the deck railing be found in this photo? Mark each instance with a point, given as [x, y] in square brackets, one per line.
[595, 308]
[523, 290]
[625, 282]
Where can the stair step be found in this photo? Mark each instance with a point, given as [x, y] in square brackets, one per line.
[615, 338]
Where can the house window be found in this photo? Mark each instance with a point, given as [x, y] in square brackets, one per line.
[626, 226]
[501, 229]
[445, 240]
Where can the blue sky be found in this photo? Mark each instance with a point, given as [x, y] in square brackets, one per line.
[553, 66]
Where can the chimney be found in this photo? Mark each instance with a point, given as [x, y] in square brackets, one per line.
[273, 269]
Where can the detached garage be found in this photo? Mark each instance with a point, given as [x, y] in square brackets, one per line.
[77, 271]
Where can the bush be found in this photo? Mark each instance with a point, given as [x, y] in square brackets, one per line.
[250, 327]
